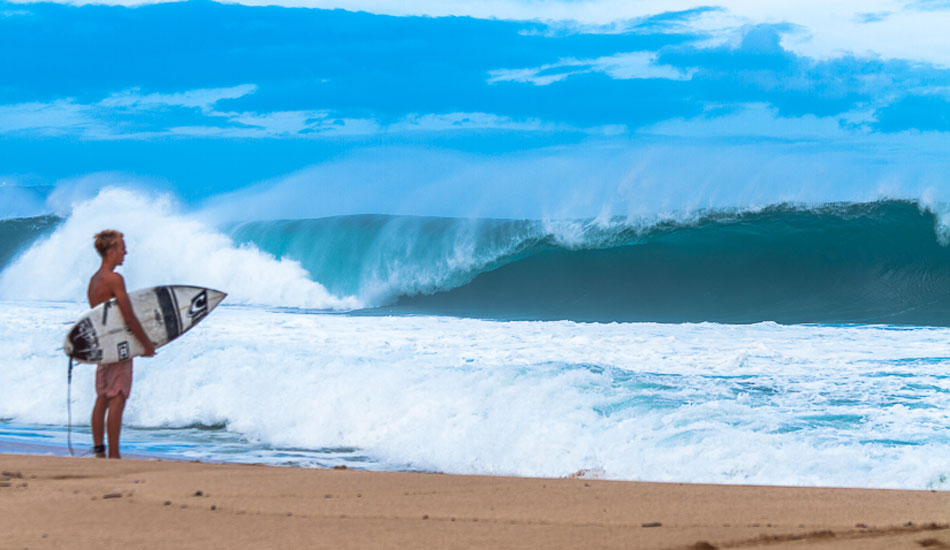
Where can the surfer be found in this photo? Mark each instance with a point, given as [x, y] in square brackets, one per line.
[113, 380]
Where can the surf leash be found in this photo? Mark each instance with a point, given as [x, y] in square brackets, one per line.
[69, 407]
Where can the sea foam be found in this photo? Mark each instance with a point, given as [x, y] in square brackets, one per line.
[765, 403]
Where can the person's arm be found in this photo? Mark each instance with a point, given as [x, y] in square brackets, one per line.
[131, 321]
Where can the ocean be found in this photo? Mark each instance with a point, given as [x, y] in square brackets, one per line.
[786, 344]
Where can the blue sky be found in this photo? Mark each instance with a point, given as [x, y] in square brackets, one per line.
[520, 109]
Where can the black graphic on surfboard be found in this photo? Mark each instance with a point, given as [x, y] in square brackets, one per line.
[83, 341]
[199, 307]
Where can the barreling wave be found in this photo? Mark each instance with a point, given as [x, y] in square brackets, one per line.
[876, 262]
[879, 262]
[17, 233]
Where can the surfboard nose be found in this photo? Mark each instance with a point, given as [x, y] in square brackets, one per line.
[215, 297]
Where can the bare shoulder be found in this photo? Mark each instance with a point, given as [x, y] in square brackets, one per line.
[111, 282]
[116, 282]
[109, 277]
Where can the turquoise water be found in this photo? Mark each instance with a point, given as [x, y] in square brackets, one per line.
[878, 262]
[205, 443]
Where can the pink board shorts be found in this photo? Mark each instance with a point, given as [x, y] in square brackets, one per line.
[113, 379]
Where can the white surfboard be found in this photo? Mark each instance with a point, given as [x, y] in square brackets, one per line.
[165, 312]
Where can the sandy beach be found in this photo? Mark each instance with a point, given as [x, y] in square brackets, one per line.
[58, 502]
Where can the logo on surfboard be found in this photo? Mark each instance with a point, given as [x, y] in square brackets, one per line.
[199, 306]
[123, 350]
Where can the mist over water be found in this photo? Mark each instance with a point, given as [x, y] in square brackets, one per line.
[641, 180]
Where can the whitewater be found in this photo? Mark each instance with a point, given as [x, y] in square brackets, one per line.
[789, 345]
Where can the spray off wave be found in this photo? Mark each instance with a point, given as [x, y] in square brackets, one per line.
[164, 247]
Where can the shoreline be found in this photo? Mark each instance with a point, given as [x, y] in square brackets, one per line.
[52, 502]
[79, 451]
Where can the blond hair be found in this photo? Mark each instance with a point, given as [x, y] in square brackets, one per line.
[107, 239]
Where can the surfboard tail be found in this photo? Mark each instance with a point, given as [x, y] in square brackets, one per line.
[82, 342]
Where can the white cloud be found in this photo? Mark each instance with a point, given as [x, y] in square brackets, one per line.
[302, 124]
[115, 118]
[897, 29]
[757, 120]
[638, 65]
[533, 76]
[621, 66]
[278, 124]
[761, 122]
[56, 118]
[449, 122]
[467, 121]
[98, 120]
[202, 99]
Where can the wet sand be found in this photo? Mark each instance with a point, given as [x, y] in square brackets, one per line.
[59, 502]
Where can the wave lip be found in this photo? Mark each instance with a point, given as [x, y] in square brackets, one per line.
[878, 263]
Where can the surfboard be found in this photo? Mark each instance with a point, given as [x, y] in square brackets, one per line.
[165, 312]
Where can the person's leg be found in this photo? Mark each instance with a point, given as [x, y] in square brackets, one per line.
[98, 423]
[116, 406]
